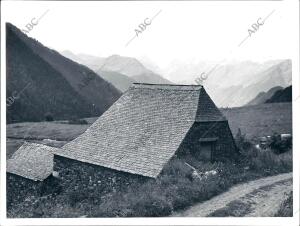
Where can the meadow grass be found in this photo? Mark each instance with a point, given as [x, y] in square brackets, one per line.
[286, 208]
[175, 189]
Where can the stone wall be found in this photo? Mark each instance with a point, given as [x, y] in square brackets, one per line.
[225, 147]
[78, 176]
[19, 188]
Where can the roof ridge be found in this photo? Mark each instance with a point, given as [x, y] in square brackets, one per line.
[166, 86]
[163, 84]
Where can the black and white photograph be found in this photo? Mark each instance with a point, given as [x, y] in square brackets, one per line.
[150, 112]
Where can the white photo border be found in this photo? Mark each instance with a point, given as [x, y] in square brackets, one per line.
[294, 10]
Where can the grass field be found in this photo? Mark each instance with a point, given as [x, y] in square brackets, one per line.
[50, 133]
[260, 120]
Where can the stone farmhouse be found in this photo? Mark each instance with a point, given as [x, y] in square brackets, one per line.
[139, 134]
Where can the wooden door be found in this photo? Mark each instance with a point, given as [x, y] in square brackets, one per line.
[205, 151]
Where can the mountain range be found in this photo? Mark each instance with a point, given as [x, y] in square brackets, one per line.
[92, 62]
[262, 97]
[283, 95]
[274, 95]
[119, 70]
[230, 85]
[43, 82]
[236, 85]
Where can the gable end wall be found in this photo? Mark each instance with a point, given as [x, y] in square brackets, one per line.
[225, 145]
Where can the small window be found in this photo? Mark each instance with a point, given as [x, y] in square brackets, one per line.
[205, 149]
[205, 152]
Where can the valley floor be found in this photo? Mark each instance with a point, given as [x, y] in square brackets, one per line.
[261, 197]
[258, 198]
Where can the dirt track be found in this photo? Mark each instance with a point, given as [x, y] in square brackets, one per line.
[262, 196]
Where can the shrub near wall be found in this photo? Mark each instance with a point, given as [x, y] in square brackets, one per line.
[175, 189]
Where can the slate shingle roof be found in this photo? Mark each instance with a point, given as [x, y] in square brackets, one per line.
[32, 161]
[142, 130]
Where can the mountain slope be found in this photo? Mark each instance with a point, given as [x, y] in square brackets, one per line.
[132, 68]
[91, 62]
[118, 70]
[284, 95]
[246, 88]
[150, 78]
[124, 65]
[120, 81]
[47, 82]
[262, 97]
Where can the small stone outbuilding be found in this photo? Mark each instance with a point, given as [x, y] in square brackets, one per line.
[29, 173]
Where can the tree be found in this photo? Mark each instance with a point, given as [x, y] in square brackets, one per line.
[49, 117]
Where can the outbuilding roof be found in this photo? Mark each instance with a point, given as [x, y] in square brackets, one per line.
[142, 130]
[32, 161]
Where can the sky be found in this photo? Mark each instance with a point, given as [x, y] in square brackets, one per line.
[181, 31]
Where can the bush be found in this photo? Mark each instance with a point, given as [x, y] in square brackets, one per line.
[278, 145]
[151, 204]
[174, 189]
[269, 163]
[49, 117]
[241, 141]
[273, 160]
[246, 148]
